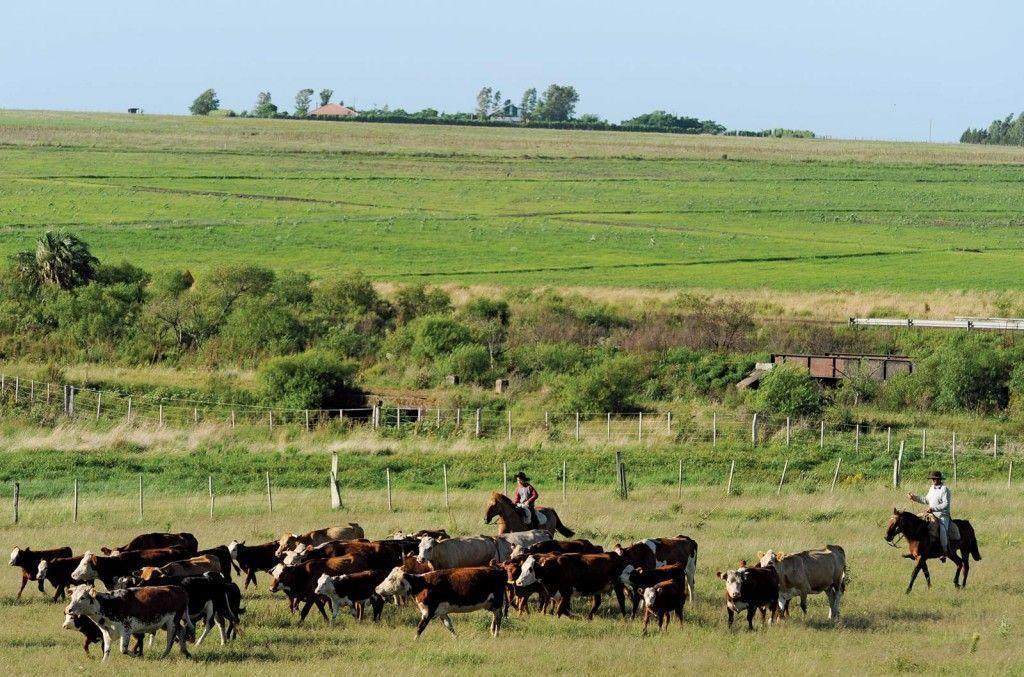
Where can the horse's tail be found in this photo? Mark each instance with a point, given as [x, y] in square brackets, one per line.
[562, 529]
[970, 539]
[974, 547]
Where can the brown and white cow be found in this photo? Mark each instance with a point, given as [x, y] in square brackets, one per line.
[299, 582]
[662, 600]
[590, 575]
[750, 589]
[57, 572]
[109, 569]
[157, 539]
[288, 542]
[124, 613]
[661, 551]
[378, 554]
[555, 546]
[450, 591]
[28, 560]
[808, 573]
[253, 558]
[519, 596]
[194, 566]
[354, 591]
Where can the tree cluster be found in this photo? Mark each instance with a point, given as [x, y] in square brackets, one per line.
[1008, 131]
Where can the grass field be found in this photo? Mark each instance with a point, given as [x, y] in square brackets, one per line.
[883, 631]
[516, 207]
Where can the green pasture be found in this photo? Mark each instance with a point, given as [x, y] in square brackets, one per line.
[515, 207]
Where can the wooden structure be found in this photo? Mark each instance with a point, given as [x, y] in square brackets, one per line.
[834, 368]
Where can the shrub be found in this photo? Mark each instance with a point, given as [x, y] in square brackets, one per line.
[436, 336]
[970, 374]
[470, 362]
[556, 358]
[609, 386]
[311, 380]
[416, 300]
[789, 389]
[260, 327]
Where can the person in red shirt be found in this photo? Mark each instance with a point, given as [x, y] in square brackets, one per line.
[525, 496]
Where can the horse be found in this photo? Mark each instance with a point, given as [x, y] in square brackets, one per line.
[922, 547]
[511, 518]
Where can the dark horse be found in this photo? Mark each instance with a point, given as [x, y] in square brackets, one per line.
[922, 547]
[510, 518]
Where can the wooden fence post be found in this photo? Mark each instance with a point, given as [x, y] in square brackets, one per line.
[129, 416]
[195, 417]
[209, 483]
[954, 458]
[458, 418]
[504, 478]
[785, 467]
[888, 440]
[620, 468]
[836, 475]
[75, 504]
[608, 426]
[270, 495]
[640, 427]
[577, 426]
[714, 428]
[787, 430]
[142, 509]
[99, 403]
[335, 489]
[307, 419]
[387, 478]
[856, 438]
[17, 495]
[821, 438]
[509, 412]
[924, 440]
[444, 470]
[679, 483]
[668, 423]
[899, 461]
[732, 471]
[478, 422]
[563, 481]
[1009, 481]
[753, 430]
[995, 445]
[160, 414]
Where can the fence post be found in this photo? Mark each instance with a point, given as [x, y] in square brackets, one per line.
[563, 481]
[160, 410]
[640, 427]
[232, 418]
[714, 428]
[209, 482]
[668, 423]
[924, 439]
[437, 424]
[47, 393]
[895, 474]
[142, 510]
[71, 401]
[787, 430]
[17, 495]
[195, 417]
[899, 459]
[679, 483]
[375, 416]
[732, 471]
[509, 412]
[444, 470]
[547, 421]
[387, 477]
[785, 467]
[577, 426]
[753, 430]
[17, 383]
[995, 445]
[954, 458]
[335, 489]
[608, 427]
[504, 478]
[856, 438]
[99, 401]
[398, 418]
[75, 509]
[836, 475]
[307, 419]
[129, 416]
[821, 438]
[1009, 481]
[888, 440]
[270, 414]
[270, 495]
[478, 422]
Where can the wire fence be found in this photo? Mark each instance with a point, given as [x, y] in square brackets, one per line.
[51, 403]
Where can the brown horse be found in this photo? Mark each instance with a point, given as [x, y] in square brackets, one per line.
[511, 518]
[923, 547]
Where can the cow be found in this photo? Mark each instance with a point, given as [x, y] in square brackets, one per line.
[317, 536]
[452, 553]
[378, 554]
[223, 556]
[662, 600]
[586, 574]
[28, 560]
[253, 558]
[184, 540]
[448, 591]
[578, 545]
[638, 580]
[58, 572]
[662, 551]
[438, 534]
[124, 613]
[507, 543]
[90, 631]
[211, 598]
[808, 573]
[194, 566]
[353, 590]
[299, 582]
[519, 596]
[109, 569]
[750, 588]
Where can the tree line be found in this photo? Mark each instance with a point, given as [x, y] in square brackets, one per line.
[1008, 131]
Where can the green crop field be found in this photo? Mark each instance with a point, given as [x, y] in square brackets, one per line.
[883, 631]
[516, 207]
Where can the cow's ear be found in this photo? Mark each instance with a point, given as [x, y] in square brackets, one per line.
[743, 563]
[760, 554]
[895, 511]
[719, 574]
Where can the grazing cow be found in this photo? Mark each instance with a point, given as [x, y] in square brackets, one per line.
[299, 582]
[808, 573]
[450, 591]
[751, 588]
[124, 613]
[58, 573]
[347, 533]
[591, 575]
[90, 631]
[194, 566]
[253, 558]
[578, 545]
[184, 540]
[109, 569]
[662, 600]
[29, 559]
[353, 590]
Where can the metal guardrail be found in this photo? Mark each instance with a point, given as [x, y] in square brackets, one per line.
[968, 323]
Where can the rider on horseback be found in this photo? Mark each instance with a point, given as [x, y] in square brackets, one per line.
[525, 497]
[938, 501]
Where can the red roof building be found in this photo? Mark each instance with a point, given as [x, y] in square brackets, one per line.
[334, 110]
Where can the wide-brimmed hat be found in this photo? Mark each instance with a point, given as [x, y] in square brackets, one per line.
[935, 475]
[522, 476]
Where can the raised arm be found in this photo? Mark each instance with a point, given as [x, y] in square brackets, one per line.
[917, 499]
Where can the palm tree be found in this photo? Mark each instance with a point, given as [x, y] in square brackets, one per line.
[64, 260]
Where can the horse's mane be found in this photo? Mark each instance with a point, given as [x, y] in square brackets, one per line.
[499, 497]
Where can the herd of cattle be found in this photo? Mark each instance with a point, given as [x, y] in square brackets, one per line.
[164, 581]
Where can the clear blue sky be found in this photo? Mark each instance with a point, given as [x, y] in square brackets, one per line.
[872, 68]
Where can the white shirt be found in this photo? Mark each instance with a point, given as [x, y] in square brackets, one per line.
[937, 499]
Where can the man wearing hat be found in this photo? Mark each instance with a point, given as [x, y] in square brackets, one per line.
[525, 496]
[938, 501]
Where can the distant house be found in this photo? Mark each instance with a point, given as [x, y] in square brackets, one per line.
[333, 110]
[509, 112]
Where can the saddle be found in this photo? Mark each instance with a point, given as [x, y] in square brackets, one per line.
[529, 515]
[933, 528]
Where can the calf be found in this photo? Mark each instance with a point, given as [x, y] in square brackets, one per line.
[808, 573]
[662, 599]
[353, 590]
[440, 593]
[640, 579]
[58, 573]
[109, 569]
[751, 588]
[519, 596]
[656, 552]
[184, 540]
[90, 631]
[299, 582]
[124, 613]
[586, 574]
[29, 559]
[317, 536]
[195, 566]
[253, 558]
